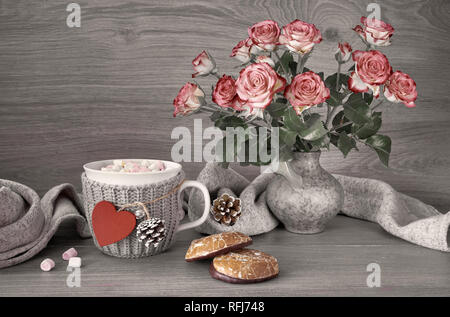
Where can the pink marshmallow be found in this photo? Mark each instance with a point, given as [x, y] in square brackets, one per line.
[69, 254]
[161, 166]
[47, 265]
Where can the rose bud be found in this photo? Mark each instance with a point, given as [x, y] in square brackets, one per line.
[225, 92]
[372, 69]
[343, 53]
[300, 37]
[401, 88]
[203, 65]
[256, 86]
[238, 104]
[189, 98]
[265, 59]
[242, 51]
[375, 32]
[264, 35]
[306, 90]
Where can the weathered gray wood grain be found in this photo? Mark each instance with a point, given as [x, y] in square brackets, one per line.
[329, 264]
[68, 96]
[105, 90]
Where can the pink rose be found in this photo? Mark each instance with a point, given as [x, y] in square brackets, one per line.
[401, 88]
[256, 85]
[306, 90]
[242, 51]
[375, 32]
[300, 37]
[203, 65]
[225, 92]
[189, 98]
[265, 35]
[372, 69]
[344, 52]
[265, 59]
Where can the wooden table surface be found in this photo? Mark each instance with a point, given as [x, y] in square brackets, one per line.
[74, 95]
[332, 263]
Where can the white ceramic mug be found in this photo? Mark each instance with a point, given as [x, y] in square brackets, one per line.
[94, 173]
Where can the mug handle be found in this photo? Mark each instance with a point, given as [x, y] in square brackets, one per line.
[207, 199]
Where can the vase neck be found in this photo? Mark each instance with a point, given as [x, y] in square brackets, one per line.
[306, 164]
[302, 165]
[306, 161]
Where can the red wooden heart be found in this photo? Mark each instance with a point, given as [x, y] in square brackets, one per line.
[109, 225]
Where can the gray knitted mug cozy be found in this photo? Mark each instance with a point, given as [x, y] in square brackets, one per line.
[169, 209]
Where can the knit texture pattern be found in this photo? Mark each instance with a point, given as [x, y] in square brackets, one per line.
[27, 223]
[168, 209]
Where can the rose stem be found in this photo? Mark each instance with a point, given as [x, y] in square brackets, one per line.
[301, 63]
[282, 66]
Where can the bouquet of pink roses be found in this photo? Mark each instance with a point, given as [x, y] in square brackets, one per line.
[276, 89]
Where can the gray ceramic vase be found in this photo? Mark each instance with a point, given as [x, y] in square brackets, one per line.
[304, 196]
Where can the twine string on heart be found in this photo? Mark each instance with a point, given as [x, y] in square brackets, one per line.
[143, 204]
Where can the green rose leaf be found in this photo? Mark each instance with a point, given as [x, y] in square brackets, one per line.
[357, 110]
[368, 98]
[276, 110]
[281, 100]
[335, 98]
[370, 128]
[275, 123]
[293, 67]
[382, 145]
[287, 137]
[323, 142]
[285, 61]
[292, 121]
[345, 143]
[313, 128]
[340, 120]
[334, 139]
[230, 121]
[330, 82]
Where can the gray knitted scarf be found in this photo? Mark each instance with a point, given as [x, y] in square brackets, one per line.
[27, 222]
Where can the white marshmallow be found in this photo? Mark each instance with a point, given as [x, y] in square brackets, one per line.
[75, 262]
[118, 163]
[120, 166]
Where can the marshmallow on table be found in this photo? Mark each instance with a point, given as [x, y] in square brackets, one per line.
[69, 254]
[75, 262]
[47, 265]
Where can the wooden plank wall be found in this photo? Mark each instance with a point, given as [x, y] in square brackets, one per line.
[104, 90]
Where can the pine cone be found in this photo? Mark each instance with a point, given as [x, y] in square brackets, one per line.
[226, 209]
[152, 231]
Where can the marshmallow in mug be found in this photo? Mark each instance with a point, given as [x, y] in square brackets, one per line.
[121, 166]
